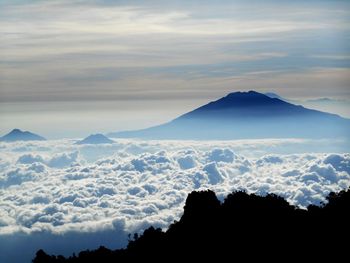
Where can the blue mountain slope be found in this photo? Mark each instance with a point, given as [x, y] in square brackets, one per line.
[275, 96]
[18, 135]
[248, 115]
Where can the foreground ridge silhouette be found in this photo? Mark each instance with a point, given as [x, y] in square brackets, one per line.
[244, 225]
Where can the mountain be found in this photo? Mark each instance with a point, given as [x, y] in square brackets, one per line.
[95, 139]
[247, 115]
[18, 135]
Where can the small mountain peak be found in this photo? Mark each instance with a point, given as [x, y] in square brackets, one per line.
[16, 131]
[19, 135]
[95, 139]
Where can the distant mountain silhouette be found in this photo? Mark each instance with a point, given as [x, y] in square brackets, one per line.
[249, 115]
[95, 139]
[18, 135]
[322, 100]
[243, 226]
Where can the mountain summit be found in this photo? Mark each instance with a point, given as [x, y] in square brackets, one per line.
[248, 115]
[18, 135]
[245, 105]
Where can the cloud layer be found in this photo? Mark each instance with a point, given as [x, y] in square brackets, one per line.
[129, 185]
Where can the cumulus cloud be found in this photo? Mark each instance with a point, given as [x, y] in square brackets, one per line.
[186, 162]
[214, 176]
[29, 158]
[273, 159]
[62, 160]
[339, 162]
[53, 187]
[221, 155]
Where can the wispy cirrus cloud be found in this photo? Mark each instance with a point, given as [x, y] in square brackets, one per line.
[50, 46]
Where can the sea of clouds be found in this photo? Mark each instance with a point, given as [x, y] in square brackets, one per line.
[65, 197]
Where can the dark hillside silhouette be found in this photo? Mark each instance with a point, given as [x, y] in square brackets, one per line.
[243, 226]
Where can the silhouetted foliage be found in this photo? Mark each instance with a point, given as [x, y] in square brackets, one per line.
[248, 226]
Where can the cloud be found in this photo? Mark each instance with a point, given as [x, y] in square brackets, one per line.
[50, 187]
[29, 158]
[214, 175]
[221, 155]
[273, 159]
[16, 176]
[340, 163]
[186, 162]
[63, 160]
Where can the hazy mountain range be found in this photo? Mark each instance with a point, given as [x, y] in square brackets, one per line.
[239, 115]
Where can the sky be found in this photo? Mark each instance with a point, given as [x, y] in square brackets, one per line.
[70, 68]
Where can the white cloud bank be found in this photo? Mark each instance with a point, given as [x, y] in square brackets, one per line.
[53, 189]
